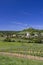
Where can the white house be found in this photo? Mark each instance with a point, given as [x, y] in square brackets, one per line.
[36, 35]
[27, 35]
[14, 35]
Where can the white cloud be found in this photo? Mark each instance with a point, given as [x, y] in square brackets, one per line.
[19, 24]
[37, 26]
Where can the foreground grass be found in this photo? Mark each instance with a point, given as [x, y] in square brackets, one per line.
[6, 60]
[18, 46]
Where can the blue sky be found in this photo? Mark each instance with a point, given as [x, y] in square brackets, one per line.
[21, 14]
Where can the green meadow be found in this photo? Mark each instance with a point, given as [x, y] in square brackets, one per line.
[6, 60]
[23, 48]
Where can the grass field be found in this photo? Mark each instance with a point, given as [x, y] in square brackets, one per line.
[17, 47]
[6, 60]
[35, 49]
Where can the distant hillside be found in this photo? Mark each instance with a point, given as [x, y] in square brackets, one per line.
[22, 32]
[30, 30]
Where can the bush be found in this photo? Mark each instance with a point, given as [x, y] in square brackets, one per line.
[12, 40]
[7, 39]
[37, 40]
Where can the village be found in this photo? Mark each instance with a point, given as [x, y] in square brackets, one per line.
[34, 36]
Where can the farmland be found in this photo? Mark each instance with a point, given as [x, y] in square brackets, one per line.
[17, 43]
[7, 60]
[24, 48]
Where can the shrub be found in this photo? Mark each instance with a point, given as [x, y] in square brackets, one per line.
[37, 40]
[7, 39]
[12, 40]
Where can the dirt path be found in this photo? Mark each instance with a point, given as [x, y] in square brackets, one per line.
[28, 51]
[22, 56]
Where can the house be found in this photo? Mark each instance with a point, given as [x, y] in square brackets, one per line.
[35, 35]
[27, 35]
[14, 35]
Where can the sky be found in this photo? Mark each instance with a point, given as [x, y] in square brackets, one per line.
[21, 14]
